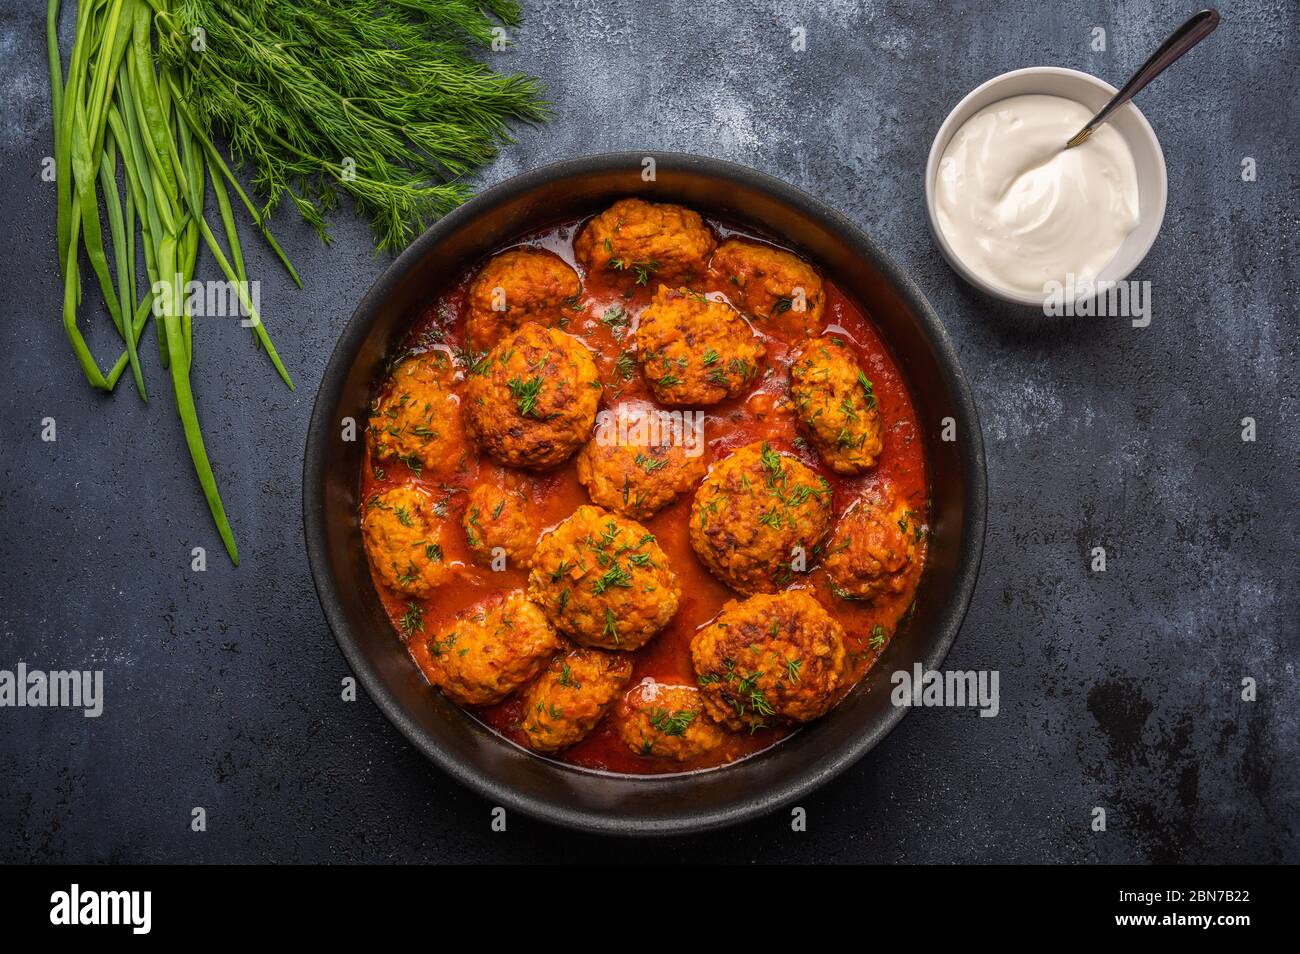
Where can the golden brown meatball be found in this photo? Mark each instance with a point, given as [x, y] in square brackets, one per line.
[566, 701]
[770, 659]
[641, 240]
[637, 479]
[872, 548]
[499, 516]
[836, 404]
[780, 291]
[694, 350]
[531, 402]
[603, 580]
[516, 287]
[751, 513]
[404, 537]
[666, 721]
[490, 653]
[417, 419]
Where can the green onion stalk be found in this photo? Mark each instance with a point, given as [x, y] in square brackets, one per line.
[121, 130]
[378, 101]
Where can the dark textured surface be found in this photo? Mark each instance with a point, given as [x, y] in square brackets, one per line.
[1119, 689]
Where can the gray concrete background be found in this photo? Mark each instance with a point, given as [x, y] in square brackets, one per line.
[1119, 689]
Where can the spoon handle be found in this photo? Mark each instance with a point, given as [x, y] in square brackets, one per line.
[1196, 29]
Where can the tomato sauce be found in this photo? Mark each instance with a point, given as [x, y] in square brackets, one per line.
[759, 414]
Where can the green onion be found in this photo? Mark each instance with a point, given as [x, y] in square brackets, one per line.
[113, 111]
[377, 100]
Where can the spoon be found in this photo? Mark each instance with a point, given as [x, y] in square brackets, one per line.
[1180, 41]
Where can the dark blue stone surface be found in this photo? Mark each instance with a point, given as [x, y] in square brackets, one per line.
[1119, 689]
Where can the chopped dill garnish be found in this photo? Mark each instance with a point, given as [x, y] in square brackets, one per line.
[672, 723]
[412, 620]
[650, 464]
[625, 365]
[877, 637]
[869, 389]
[614, 576]
[615, 318]
[525, 394]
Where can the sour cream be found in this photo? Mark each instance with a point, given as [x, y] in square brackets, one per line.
[1020, 210]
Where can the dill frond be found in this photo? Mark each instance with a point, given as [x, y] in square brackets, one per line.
[379, 101]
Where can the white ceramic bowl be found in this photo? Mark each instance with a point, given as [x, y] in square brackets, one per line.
[1128, 121]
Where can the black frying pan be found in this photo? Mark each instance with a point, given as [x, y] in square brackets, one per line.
[580, 798]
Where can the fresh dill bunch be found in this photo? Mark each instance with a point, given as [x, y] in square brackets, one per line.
[379, 100]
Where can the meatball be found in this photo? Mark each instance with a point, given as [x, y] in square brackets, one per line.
[666, 721]
[637, 479]
[603, 580]
[769, 659]
[417, 419]
[499, 516]
[751, 513]
[872, 549]
[516, 287]
[404, 538]
[566, 701]
[778, 290]
[694, 350]
[836, 404]
[488, 654]
[531, 402]
[639, 239]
